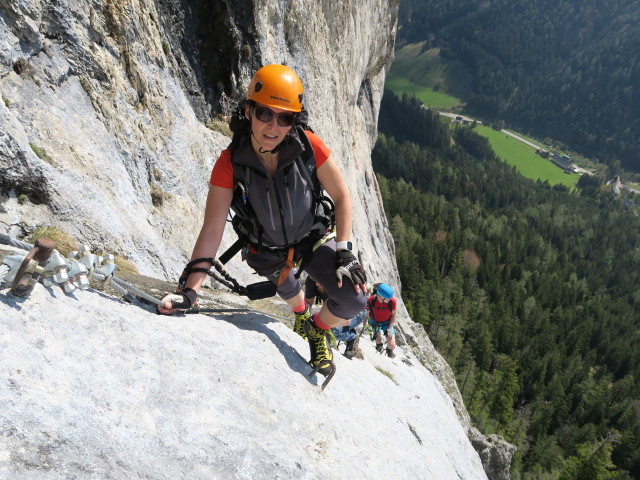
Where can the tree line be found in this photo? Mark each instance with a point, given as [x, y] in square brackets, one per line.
[553, 68]
[529, 291]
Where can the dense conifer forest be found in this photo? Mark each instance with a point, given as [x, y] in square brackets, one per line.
[561, 69]
[529, 291]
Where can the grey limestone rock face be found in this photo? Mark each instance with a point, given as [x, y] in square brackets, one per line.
[496, 454]
[105, 107]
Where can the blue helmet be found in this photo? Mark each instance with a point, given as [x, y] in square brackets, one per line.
[384, 290]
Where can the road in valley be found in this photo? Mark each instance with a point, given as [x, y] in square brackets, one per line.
[459, 117]
[577, 169]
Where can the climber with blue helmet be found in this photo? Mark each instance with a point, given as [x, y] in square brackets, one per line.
[382, 316]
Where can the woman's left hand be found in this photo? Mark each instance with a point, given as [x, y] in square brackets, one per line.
[348, 266]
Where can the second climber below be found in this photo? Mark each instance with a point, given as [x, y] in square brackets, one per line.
[382, 317]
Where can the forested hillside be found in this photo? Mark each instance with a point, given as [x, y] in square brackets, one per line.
[530, 292]
[561, 69]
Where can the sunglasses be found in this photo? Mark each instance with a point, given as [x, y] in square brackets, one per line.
[265, 115]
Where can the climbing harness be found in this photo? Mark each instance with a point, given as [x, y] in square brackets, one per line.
[255, 291]
[259, 290]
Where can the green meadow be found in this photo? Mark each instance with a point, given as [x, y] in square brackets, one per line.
[524, 158]
[421, 74]
[428, 96]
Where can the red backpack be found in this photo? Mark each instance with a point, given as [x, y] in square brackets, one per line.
[372, 302]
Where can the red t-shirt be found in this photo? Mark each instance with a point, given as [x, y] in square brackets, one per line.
[380, 311]
[222, 173]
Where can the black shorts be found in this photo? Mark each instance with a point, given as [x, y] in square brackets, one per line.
[343, 302]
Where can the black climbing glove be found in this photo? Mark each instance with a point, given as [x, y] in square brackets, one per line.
[183, 300]
[348, 266]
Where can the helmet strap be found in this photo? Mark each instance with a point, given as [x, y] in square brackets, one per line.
[262, 150]
[275, 149]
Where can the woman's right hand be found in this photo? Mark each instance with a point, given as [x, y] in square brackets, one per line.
[167, 307]
[177, 301]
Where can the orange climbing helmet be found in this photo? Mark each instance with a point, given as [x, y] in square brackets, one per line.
[276, 86]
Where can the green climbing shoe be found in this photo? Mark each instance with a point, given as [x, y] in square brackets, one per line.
[301, 319]
[321, 354]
